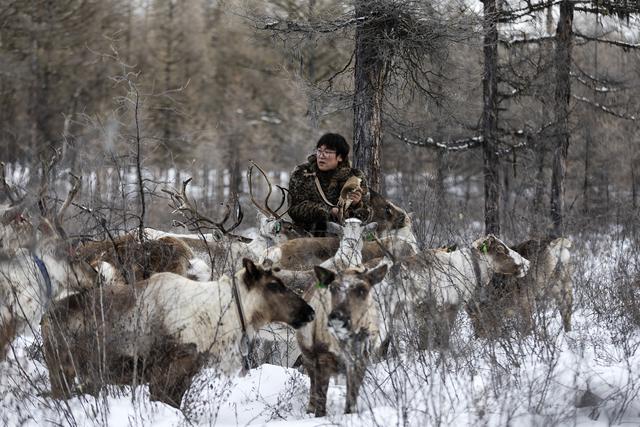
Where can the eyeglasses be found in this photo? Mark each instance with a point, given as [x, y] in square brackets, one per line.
[325, 153]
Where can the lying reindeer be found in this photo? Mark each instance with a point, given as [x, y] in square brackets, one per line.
[549, 277]
[162, 330]
[137, 260]
[430, 288]
[343, 334]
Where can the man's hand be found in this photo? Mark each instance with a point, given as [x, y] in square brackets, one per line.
[356, 197]
[334, 212]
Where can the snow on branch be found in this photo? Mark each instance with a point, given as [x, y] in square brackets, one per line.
[457, 145]
[606, 109]
[592, 83]
[287, 26]
[515, 14]
[625, 46]
[517, 41]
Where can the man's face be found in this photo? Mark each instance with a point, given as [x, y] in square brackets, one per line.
[327, 159]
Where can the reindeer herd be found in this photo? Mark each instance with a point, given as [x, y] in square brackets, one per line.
[152, 307]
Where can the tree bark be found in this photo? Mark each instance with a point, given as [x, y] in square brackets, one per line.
[562, 58]
[370, 75]
[490, 120]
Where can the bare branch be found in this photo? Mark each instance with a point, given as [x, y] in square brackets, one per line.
[195, 221]
[457, 145]
[632, 117]
[625, 46]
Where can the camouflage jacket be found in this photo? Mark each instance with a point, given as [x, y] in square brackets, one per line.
[307, 207]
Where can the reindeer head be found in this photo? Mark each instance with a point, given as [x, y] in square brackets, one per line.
[16, 229]
[501, 258]
[386, 214]
[352, 230]
[351, 299]
[270, 300]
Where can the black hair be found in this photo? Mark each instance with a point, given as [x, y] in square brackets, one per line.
[334, 141]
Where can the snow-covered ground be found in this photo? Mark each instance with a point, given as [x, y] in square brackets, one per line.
[535, 381]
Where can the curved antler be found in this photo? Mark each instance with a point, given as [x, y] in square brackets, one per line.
[266, 209]
[59, 218]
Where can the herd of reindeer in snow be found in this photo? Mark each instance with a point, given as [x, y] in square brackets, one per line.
[152, 307]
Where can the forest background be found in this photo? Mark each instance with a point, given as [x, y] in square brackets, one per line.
[518, 114]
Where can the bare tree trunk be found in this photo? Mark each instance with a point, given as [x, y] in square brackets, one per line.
[538, 198]
[586, 185]
[490, 120]
[564, 45]
[370, 75]
[168, 126]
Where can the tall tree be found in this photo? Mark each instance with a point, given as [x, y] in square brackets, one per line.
[490, 119]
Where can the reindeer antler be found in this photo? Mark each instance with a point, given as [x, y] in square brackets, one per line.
[59, 218]
[265, 209]
[196, 221]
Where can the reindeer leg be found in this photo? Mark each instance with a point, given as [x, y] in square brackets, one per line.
[565, 302]
[59, 363]
[310, 368]
[7, 334]
[171, 376]
[355, 374]
[322, 386]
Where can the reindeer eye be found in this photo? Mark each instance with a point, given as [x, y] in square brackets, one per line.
[360, 291]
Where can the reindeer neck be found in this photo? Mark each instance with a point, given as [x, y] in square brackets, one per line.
[243, 307]
[478, 264]
[350, 253]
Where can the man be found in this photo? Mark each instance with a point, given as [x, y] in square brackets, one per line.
[329, 168]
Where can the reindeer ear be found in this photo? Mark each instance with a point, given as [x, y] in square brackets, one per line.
[334, 228]
[252, 273]
[325, 276]
[377, 274]
[372, 226]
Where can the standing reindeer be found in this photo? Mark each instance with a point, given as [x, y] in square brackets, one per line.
[343, 334]
[31, 278]
[162, 331]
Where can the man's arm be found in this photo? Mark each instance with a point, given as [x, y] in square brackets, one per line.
[302, 209]
[361, 210]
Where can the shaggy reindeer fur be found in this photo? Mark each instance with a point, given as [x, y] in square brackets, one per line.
[548, 278]
[24, 294]
[137, 261]
[161, 331]
[343, 335]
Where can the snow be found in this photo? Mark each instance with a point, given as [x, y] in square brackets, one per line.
[533, 381]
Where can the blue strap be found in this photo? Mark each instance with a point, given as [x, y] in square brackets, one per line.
[45, 275]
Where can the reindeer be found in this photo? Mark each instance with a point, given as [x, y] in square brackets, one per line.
[31, 278]
[16, 228]
[161, 331]
[136, 260]
[432, 286]
[394, 224]
[343, 334]
[549, 277]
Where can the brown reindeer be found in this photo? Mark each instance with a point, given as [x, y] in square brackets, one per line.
[343, 335]
[162, 330]
[136, 260]
[549, 277]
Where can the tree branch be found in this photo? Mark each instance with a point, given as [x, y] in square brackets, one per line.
[606, 109]
[625, 46]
